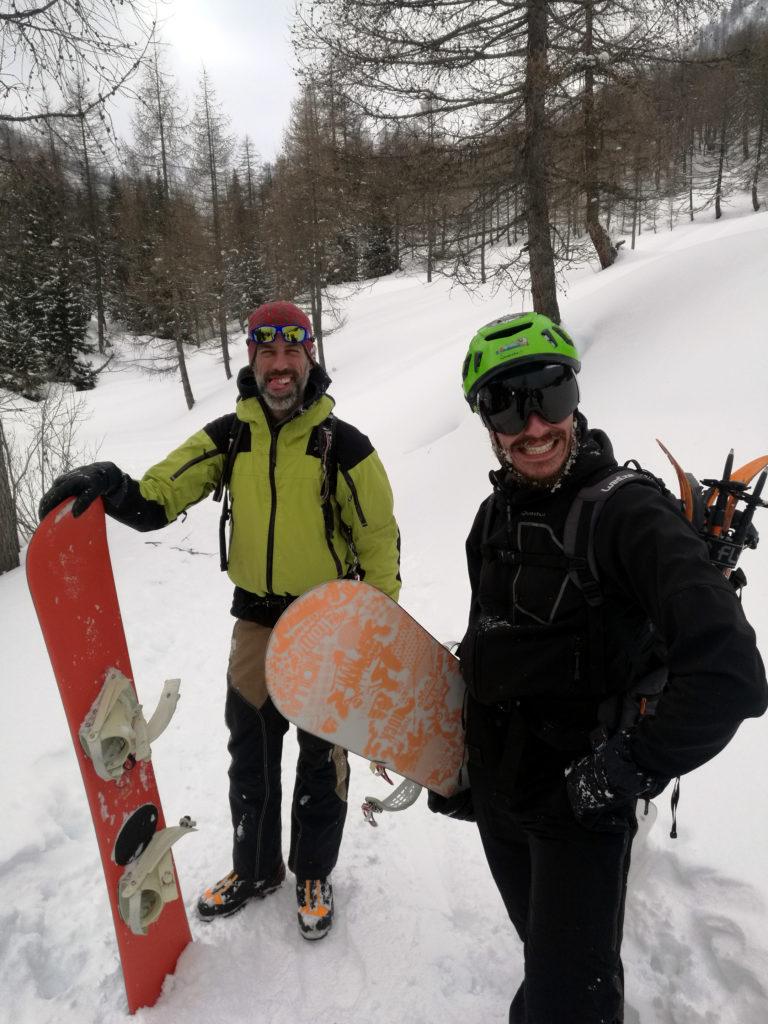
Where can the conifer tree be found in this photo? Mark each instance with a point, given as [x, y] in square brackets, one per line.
[212, 151]
[45, 304]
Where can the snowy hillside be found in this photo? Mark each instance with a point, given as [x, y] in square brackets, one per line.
[676, 347]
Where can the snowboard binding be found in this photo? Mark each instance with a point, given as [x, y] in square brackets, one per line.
[115, 734]
[404, 796]
[150, 881]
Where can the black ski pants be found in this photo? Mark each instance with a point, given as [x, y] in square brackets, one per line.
[564, 888]
[256, 731]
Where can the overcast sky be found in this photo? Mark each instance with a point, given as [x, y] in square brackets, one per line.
[245, 45]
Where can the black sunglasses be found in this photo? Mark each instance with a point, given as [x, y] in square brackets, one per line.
[506, 403]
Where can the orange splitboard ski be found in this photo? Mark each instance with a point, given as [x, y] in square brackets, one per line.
[686, 491]
[346, 663]
[70, 578]
[744, 474]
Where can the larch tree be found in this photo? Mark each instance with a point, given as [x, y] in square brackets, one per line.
[47, 45]
[158, 125]
[212, 149]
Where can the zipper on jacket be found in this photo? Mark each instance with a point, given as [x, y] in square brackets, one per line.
[353, 492]
[273, 509]
[194, 462]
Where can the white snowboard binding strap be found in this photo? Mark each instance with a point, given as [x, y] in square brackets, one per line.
[115, 730]
[150, 882]
[406, 794]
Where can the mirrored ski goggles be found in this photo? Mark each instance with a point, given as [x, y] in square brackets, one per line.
[506, 403]
[292, 334]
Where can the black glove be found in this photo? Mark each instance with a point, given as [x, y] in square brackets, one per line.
[101, 479]
[608, 779]
[458, 806]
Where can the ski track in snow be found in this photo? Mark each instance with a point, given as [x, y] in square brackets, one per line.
[420, 934]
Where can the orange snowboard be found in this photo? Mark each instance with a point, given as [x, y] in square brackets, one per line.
[346, 663]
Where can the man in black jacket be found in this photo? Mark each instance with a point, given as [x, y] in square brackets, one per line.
[560, 739]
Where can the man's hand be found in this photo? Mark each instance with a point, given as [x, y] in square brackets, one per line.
[86, 484]
[458, 806]
[608, 779]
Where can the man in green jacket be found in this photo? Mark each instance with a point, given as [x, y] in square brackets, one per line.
[307, 500]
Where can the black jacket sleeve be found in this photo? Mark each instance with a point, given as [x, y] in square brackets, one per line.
[646, 553]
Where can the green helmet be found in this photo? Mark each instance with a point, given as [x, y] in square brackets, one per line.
[511, 341]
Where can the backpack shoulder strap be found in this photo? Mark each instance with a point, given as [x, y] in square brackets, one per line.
[233, 442]
[221, 492]
[329, 461]
[580, 523]
[326, 439]
[578, 547]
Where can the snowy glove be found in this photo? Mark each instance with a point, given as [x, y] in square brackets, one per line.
[86, 484]
[608, 779]
[458, 806]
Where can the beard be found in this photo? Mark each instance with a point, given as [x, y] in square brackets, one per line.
[291, 399]
[549, 483]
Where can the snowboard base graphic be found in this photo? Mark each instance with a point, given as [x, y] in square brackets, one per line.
[70, 578]
[347, 664]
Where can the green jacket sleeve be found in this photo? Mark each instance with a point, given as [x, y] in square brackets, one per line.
[185, 476]
[367, 508]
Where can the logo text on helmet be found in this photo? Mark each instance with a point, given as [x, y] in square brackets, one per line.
[517, 343]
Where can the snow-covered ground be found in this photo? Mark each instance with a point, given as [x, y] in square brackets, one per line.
[676, 347]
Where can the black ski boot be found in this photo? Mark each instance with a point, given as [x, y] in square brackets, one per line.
[232, 893]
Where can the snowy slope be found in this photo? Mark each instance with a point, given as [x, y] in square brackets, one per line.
[421, 936]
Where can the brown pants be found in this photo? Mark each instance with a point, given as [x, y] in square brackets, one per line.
[256, 731]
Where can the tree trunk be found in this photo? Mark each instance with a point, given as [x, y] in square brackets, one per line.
[540, 254]
[430, 240]
[604, 247]
[185, 383]
[318, 263]
[9, 532]
[220, 310]
[758, 157]
[161, 126]
[720, 166]
[95, 226]
[483, 277]
[745, 133]
[188, 396]
[316, 305]
[397, 236]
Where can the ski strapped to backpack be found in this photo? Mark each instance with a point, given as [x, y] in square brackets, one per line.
[714, 514]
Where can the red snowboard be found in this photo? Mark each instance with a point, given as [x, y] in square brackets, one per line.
[70, 578]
